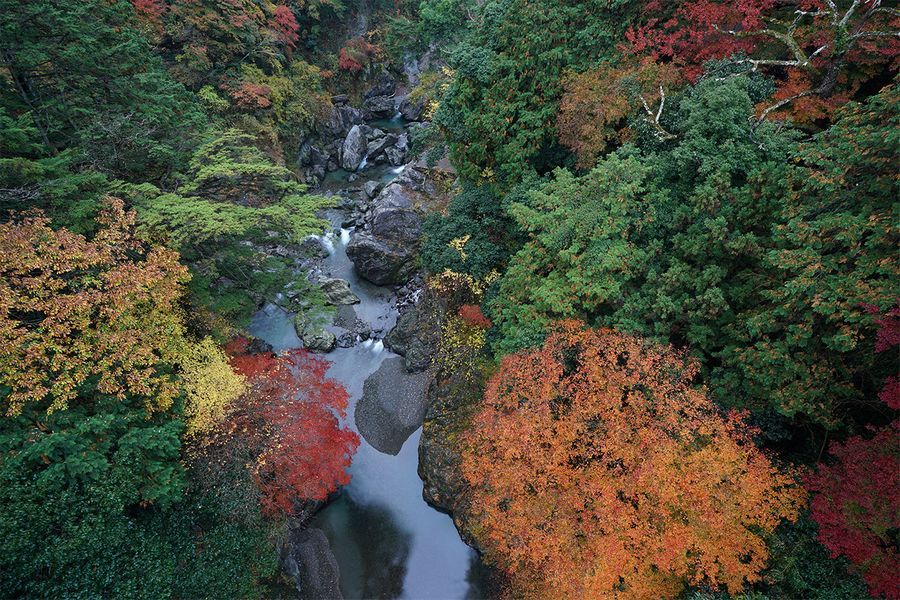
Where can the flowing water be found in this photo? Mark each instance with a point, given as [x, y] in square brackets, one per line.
[388, 542]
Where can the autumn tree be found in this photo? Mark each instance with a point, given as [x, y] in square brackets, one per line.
[289, 420]
[79, 315]
[598, 105]
[827, 48]
[598, 470]
[856, 498]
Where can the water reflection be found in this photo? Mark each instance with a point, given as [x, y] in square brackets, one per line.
[370, 546]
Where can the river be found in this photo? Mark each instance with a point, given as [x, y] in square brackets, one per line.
[388, 542]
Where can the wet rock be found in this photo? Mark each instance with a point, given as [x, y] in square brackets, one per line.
[393, 217]
[378, 148]
[318, 340]
[392, 406]
[384, 86]
[379, 107]
[307, 558]
[313, 248]
[337, 291]
[380, 261]
[414, 337]
[384, 252]
[339, 99]
[371, 188]
[375, 134]
[440, 457]
[354, 148]
[412, 111]
[398, 152]
[346, 340]
[315, 337]
[345, 317]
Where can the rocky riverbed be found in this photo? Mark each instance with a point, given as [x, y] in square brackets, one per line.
[378, 537]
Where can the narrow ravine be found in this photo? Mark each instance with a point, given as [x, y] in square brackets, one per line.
[386, 540]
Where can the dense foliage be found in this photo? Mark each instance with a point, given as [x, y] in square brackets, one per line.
[664, 285]
[598, 469]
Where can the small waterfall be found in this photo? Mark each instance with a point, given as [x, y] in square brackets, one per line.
[398, 170]
[326, 240]
[345, 236]
[363, 164]
[378, 347]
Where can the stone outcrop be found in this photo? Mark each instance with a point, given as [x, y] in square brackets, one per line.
[414, 337]
[410, 110]
[338, 292]
[354, 148]
[307, 558]
[392, 406]
[384, 252]
[379, 107]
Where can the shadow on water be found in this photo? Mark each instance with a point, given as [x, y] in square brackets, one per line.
[370, 547]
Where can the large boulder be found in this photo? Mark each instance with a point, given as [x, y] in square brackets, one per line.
[414, 337]
[393, 218]
[354, 148]
[384, 251]
[379, 107]
[412, 110]
[338, 292]
[339, 121]
[315, 337]
[378, 147]
[307, 558]
[392, 406]
[380, 261]
[399, 151]
[384, 86]
[440, 453]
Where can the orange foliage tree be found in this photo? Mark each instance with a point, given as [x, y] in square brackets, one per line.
[597, 105]
[79, 316]
[598, 470]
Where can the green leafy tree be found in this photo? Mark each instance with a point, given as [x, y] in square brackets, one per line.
[85, 76]
[499, 113]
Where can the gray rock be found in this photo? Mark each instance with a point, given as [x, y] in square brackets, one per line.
[392, 406]
[414, 339]
[346, 340]
[379, 107]
[371, 188]
[339, 99]
[337, 291]
[307, 558]
[398, 153]
[440, 458]
[379, 261]
[384, 86]
[345, 317]
[411, 111]
[318, 340]
[375, 134]
[378, 148]
[392, 216]
[315, 338]
[354, 149]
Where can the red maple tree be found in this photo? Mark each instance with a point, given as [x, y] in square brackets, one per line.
[856, 500]
[822, 50]
[290, 420]
[286, 28]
